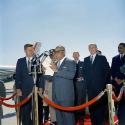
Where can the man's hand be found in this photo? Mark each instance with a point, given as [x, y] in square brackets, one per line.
[19, 92]
[53, 67]
[80, 79]
[46, 92]
[40, 91]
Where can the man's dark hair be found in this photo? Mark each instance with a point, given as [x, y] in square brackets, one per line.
[122, 44]
[27, 45]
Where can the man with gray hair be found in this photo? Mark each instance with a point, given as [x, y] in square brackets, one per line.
[97, 75]
[63, 88]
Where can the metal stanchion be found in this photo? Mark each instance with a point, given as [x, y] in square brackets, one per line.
[36, 65]
[110, 104]
[18, 112]
[35, 99]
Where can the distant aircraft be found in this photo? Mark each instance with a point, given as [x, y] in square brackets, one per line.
[7, 72]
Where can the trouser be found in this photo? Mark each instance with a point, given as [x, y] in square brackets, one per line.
[121, 114]
[26, 112]
[0, 122]
[46, 113]
[80, 98]
[65, 118]
[99, 112]
[51, 109]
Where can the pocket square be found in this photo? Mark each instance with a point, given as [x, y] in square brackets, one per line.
[64, 67]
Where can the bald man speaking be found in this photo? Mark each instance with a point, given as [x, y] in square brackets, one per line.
[63, 87]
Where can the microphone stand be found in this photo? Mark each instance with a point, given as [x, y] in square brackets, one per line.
[37, 64]
[35, 98]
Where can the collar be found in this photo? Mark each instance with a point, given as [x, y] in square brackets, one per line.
[28, 59]
[76, 61]
[121, 55]
[62, 60]
[94, 55]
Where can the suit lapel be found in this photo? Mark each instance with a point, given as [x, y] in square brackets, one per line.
[62, 63]
[25, 64]
[95, 60]
[119, 58]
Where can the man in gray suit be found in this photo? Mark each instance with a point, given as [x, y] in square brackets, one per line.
[63, 88]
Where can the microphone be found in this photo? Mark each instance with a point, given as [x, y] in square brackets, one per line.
[43, 56]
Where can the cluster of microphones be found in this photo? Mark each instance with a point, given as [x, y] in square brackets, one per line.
[37, 60]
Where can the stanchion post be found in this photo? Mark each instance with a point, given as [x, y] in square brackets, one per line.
[110, 104]
[18, 111]
[35, 99]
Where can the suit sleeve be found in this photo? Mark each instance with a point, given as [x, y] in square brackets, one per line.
[18, 81]
[113, 69]
[42, 82]
[67, 73]
[107, 71]
[84, 68]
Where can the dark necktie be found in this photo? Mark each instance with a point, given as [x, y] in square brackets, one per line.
[91, 59]
[29, 65]
[122, 59]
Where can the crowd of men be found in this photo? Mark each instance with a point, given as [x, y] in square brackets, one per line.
[72, 83]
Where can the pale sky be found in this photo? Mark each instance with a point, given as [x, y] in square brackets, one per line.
[72, 23]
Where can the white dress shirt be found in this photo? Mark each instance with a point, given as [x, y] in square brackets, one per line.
[121, 56]
[28, 59]
[60, 61]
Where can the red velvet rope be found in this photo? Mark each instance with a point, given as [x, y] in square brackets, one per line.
[119, 97]
[8, 98]
[94, 100]
[16, 105]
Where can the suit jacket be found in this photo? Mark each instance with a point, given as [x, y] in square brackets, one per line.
[63, 87]
[115, 67]
[79, 70]
[23, 80]
[96, 75]
[2, 89]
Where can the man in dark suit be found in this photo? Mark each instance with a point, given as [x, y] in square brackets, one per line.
[25, 83]
[63, 87]
[117, 62]
[2, 94]
[97, 75]
[80, 87]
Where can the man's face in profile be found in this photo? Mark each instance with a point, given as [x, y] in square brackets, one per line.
[59, 54]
